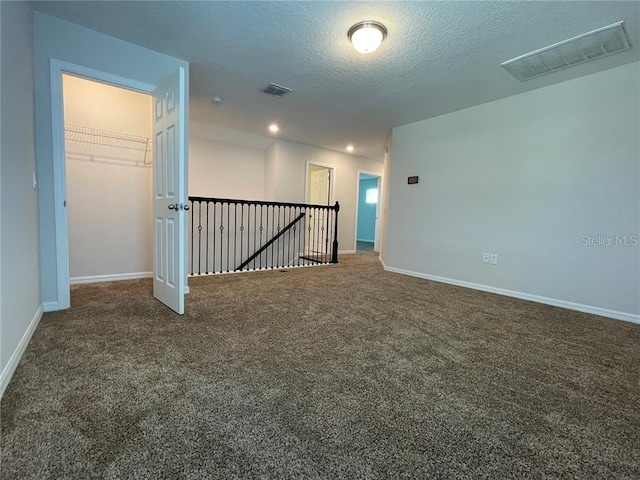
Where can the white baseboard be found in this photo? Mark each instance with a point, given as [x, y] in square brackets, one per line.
[345, 252]
[604, 312]
[187, 290]
[110, 278]
[50, 306]
[384, 265]
[12, 364]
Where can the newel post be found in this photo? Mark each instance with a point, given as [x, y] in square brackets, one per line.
[334, 253]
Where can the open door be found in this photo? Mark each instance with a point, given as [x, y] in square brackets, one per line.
[169, 191]
[318, 193]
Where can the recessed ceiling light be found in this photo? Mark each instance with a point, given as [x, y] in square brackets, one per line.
[349, 148]
[274, 128]
[367, 36]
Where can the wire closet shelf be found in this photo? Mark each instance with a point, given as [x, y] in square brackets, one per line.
[107, 146]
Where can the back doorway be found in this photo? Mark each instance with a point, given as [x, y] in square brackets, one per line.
[367, 216]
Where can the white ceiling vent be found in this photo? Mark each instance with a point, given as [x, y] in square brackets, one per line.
[275, 90]
[599, 43]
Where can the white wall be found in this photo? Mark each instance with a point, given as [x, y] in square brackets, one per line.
[109, 207]
[65, 41]
[384, 200]
[289, 162]
[20, 307]
[270, 172]
[527, 177]
[223, 170]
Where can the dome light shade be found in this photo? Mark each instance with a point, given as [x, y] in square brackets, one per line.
[367, 36]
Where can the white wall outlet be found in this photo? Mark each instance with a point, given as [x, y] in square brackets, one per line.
[485, 257]
[494, 259]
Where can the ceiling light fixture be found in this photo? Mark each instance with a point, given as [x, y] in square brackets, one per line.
[274, 128]
[349, 148]
[367, 36]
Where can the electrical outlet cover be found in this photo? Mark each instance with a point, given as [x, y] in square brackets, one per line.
[494, 259]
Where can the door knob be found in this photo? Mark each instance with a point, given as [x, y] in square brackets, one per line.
[173, 206]
[186, 207]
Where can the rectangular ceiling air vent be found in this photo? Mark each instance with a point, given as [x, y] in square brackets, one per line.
[599, 43]
[276, 90]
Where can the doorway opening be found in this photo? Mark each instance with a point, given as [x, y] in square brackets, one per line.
[169, 169]
[108, 166]
[367, 213]
[318, 191]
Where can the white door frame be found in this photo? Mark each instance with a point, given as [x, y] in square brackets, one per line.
[57, 69]
[377, 225]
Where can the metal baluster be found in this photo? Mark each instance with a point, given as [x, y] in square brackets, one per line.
[235, 234]
[273, 229]
[320, 235]
[277, 265]
[248, 233]
[295, 233]
[222, 236]
[192, 215]
[241, 232]
[331, 217]
[288, 244]
[213, 235]
[255, 230]
[284, 237]
[300, 233]
[334, 251]
[261, 228]
[315, 234]
[199, 239]
[310, 240]
[305, 235]
[206, 243]
[277, 245]
[326, 245]
[327, 234]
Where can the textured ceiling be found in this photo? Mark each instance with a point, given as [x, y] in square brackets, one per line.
[438, 57]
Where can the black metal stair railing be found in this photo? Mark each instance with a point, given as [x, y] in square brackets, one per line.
[228, 235]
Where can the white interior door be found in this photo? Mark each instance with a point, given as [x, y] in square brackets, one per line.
[319, 184]
[169, 191]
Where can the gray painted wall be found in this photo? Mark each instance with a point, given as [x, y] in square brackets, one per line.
[528, 177]
[20, 278]
[223, 170]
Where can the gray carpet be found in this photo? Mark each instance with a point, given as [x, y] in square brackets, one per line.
[328, 372]
[364, 247]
